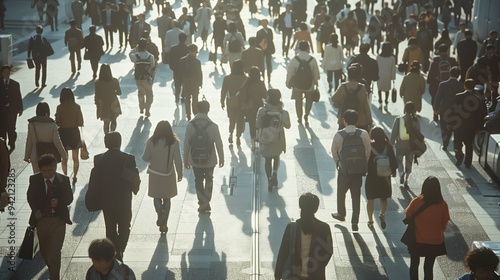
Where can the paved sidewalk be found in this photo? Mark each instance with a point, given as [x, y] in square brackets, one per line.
[219, 245]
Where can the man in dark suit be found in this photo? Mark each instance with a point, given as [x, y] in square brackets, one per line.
[39, 47]
[265, 41]
[11, 105]
[443, 104]
[109, 17]
[78, 11]
[164, 24]
[469, 113]
[287, 24]
[176, 53]
[192, 80]
[73, 39]
[116, 190]
[252, 56]
[466, 53]
[137, 29]
[49, 194]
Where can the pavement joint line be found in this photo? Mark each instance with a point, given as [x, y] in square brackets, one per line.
[255, 272]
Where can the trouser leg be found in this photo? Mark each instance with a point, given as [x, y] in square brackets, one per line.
[429, 267]
[124, 219]
[414, 263]
[342, 188]
[355, 189]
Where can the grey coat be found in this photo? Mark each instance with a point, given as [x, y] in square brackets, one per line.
[164, 168]
[276, 148]
[214, 134]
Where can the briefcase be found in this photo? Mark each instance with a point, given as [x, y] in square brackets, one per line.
[30, 63]
[29, 247]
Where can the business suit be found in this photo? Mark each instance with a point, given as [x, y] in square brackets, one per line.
[171, 38]
[287, 31]
[136, 32]
[320, 251]
[37, 48]
[267, 33]
[466, 54]
[118, 194]
[445, 98]
[176, 53]
[11, 105]
[109, 18]
[73, 39]
[252, 56]
[164, 24]
[93, 43]
[78, 11]
[192, 80]
[470, 110]
[50, 222]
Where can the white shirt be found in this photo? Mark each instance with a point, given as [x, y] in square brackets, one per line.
[288, 20]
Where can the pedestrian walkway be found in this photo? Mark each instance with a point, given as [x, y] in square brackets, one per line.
[236, 237]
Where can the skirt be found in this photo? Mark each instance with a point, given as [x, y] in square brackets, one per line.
[427, 250]
[70, 138]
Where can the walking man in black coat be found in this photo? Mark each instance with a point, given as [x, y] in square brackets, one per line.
[287, 24]
[265, 41]
[11, 105]
[40, 48]
[73, 39]
[109, 23]
[466, 53]
[192, 80]
[176, 53]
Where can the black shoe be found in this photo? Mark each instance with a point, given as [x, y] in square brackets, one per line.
[163, 229]
[299, 120]
[402, 178]
[148, 114]
[142, 111]
[37, 84]
[339, 217]
[355, 227]
[460, 159]
[274, 179]
[383, 224]
[188, 117]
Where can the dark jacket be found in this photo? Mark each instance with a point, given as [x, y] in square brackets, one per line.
[266, 34]
[38, 199]
[370, 67]
[113, 21]
[466, 53]
[135, 34]
[433, 76]
[73, 33]
[93, 43]
[38, 47]
[191, 71]
[467, 120]
[115, 190]
[281, 21]
[11, 95]
[176, 53]
[320, 250]
[445, 96]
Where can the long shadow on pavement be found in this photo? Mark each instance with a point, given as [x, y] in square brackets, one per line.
[157, 268]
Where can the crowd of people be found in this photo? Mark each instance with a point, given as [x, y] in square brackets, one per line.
[464, 93]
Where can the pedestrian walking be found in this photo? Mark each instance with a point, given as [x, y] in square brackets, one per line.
[109, 18]
[42, 129]
[93, 44]
[382, 165]
[466, 53]
[272, 119]
[93, 11]
[412, 53]
[351, 150]
[73, 39]
[202, 18]
[172, 38]
[400, 136]
[302, 34]
[40, 7]
[482, 264]
[69, 118]
[352, 95]
[430, 215]
[192, 80]
[395, 34]
[375, 28]
[49, 195]
[443, 40]
[491, 40]
[233, 44]
[369, 65]
[387, 70]
[219, 27]
[333, 62]
[425, 43]
[302, 77]
[413, 86]
[144, 63]
[107, 89]
[164, 23]
[11, 104]
[251, 97]
[138, 29]
[307, 243]
[104, 264]
[52, 14]
[349, 30]
[123, 23]
[163, 154]
[116, 190]
[252, 56]
[40, 48]
[287, 23]
[176, 53]
[78, 11]
[203, 150]
[443, 104]
[187, 25]
[229, 99]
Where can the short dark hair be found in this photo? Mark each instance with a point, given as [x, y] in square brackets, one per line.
[66, 95]
[350, 116]
[203, 107]
[304, 46]
[102, 249]
[42, 109]
[409, 108]
[113, 140]
[252, 41]
[309, 203]
[47, 160]
[39, 29]
[72, 22]
[193, 48]
[303, 26]
[469, 84]
[92, 29]
[274, 96]
[481, 258]
[353, 73]
[183, 37]
[237, 67]
[455, 71]
[468, 33]
[143, 43]
[5, 67]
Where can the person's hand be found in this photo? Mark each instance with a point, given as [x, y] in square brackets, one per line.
[54, 202]
[221, 163]
[20, 113]
[187, 166]
[179, 177]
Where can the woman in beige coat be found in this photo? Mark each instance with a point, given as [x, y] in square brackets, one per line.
[413, 86]
[163, 155]
[42, 128]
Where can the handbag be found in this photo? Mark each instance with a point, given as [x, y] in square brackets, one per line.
[132, 177]
[84, 152]
[402, 67]
[93, 197]
[30, 63]
[409, 237]
[287, 273]
[86, 55]
[29, 247]
[315, 95]
[43, 148]
[394, 93]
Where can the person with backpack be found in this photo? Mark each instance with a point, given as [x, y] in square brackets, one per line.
[40, 48]
[192, 80]
[400, 136]
[352, 95]
[233, 44]
[440, 72]
[144, 63]
[229, 97]
[271, 121]
[302, 77]
[413, 86]
[199, 140]
[104, 264]
[73, 39]
[351, 149]
[370, 66]
[382, 165]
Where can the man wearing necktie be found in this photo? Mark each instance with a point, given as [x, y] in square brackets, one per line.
[108, 22]
[11, 105]
[49, 194]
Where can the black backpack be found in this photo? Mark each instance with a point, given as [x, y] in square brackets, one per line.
[352, 159]
[350, 99]
[142, 69]
[234, 45]
[303, 78]
[201, 144]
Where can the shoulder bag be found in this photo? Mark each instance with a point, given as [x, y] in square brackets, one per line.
[84, 152]
[409, 238]
[394, 93]
[43, 148]
[29, 247]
